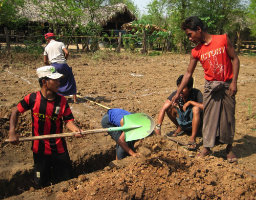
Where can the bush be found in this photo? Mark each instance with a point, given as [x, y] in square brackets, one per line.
[30, 47]
[154, 53]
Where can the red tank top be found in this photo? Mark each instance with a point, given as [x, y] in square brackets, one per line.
[214, 59]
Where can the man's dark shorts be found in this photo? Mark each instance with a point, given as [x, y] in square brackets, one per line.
[185, 119]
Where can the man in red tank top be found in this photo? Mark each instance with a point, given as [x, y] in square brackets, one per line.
[221, 68]
[49, 112]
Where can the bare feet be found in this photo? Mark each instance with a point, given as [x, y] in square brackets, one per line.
[231, 157]
[136, 155]
[191, 145]
[204, 152]
[176, 133]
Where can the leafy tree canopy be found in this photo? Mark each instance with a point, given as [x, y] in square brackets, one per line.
[252, 16]
[9, 13]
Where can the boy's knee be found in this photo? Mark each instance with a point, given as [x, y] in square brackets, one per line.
[172, 110]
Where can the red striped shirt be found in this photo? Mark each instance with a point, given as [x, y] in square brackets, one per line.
[47, 118]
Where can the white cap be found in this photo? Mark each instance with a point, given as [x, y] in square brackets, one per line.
[48, 71]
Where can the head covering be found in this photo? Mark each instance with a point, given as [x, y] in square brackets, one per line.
[48, 71]
[47, 35]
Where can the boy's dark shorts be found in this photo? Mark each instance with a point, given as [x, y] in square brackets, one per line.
[51, 168]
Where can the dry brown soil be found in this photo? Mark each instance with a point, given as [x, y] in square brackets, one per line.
[164, 170]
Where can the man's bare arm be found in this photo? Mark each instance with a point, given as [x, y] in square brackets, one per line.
[236, 66]
[124, 145]
[46, 60]
[66, 53]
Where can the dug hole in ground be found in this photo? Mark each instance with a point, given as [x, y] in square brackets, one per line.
[165, 170]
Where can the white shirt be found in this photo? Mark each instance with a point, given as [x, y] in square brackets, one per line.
[54, 51]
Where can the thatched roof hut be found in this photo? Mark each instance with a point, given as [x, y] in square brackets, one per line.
[115, 16]
[130, 27]
[109, 17]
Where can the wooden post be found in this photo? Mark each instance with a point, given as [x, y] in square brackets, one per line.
[88, 44]
[17, 37]
[118, 48]
[238, 42]
[168, 45]
[144, 43]
[85, 45]
[77, 45]
[7, 39]
[94, 44]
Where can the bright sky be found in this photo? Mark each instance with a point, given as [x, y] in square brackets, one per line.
[142, 5]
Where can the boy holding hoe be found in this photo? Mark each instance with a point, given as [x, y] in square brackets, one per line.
[49, 110]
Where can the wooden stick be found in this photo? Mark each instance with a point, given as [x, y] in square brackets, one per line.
[177, 141]
[93, 102]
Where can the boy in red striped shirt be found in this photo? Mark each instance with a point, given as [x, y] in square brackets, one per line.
[48, 110]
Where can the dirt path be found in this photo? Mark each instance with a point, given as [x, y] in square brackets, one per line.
[138, 84]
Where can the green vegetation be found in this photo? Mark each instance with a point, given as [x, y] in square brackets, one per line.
[234, 17]
[252, 16]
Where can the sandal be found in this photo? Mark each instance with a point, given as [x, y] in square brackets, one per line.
[231, 157]
[191, 146]
[173, 134]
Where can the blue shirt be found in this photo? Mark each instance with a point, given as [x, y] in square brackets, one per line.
[116, 114]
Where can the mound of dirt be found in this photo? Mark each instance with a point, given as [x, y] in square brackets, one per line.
[159, 173]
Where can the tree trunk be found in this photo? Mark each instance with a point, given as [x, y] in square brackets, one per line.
[183, 14]
[94, 44]
[238, 44]
[168, 45]
[7, 39]
[77, 45]
[85, 45]
[144, 43]
[118, 48]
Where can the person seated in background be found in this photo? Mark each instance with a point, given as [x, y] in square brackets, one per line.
[114, 118]
[185, 113]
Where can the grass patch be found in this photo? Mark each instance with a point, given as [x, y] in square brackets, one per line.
[154, 53]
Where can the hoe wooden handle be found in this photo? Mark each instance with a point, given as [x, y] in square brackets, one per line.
[59, 135]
